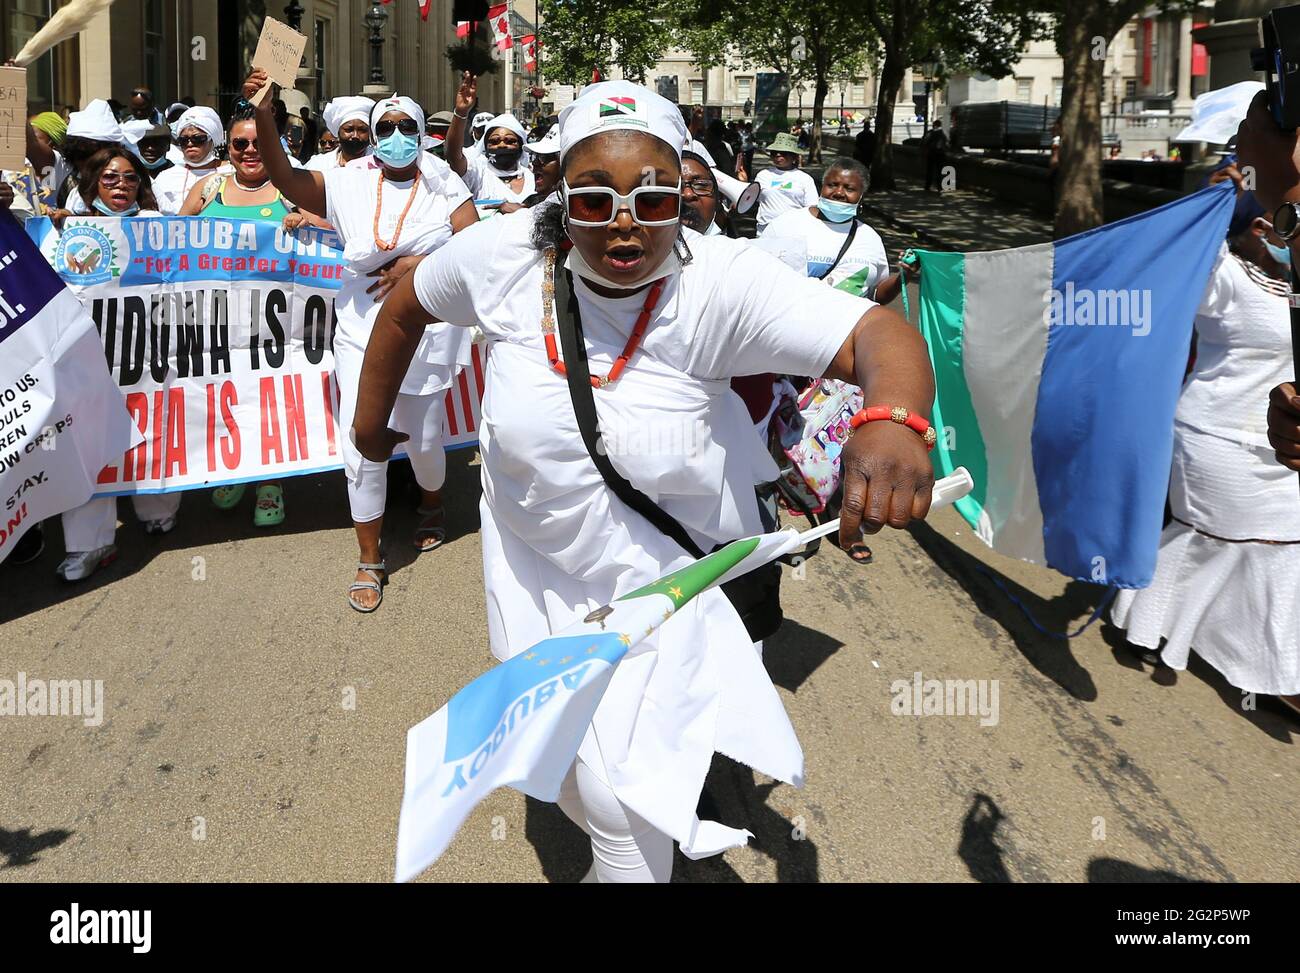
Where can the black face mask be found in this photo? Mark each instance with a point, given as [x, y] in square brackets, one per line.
[507, 160]
[353, 147]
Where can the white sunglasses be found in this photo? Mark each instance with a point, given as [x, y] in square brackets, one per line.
[600, 205]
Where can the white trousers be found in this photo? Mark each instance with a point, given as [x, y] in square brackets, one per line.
[94, 524]
[421, 417]
[624, 847]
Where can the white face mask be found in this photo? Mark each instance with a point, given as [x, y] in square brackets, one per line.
[669, 265]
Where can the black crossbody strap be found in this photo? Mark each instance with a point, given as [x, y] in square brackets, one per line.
[569, 323]
[848, 242]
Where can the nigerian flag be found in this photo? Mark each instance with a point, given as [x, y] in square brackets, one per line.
[521, 723]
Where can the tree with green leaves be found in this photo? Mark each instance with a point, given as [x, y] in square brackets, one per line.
[956, 36]
[578, 37]
[810, 41]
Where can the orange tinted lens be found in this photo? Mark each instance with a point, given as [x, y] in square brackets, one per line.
[591, 207]
[653, 207]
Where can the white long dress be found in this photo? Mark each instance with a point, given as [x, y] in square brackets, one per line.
[557, 543]
[1219, 589]
[351, 195]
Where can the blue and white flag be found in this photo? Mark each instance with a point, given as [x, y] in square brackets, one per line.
[1057, 371]
[61, 415]
[521, 723]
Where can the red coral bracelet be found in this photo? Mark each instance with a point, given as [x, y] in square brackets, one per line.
[913, 421]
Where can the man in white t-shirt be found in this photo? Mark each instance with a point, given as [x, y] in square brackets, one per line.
[842, 250]
[785, 185]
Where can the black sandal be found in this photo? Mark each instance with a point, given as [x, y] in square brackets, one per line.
[860, 554]
[438, 532]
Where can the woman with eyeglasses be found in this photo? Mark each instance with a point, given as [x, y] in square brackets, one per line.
[200, 138]
[668, 319]
[391, 210]
[247, 193]
[115, 183]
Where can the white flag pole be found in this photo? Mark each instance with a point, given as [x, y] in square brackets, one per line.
[947, 491]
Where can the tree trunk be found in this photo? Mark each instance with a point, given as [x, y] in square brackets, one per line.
[819, 100]
[891, 79]
[1077, 180]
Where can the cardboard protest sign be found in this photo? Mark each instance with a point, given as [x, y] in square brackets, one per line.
[13, 118]
[279, 52]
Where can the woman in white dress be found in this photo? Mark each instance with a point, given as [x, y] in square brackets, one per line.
[390, 209]
[499, 170]
[200, 137]
[348, 121]
[116, 185]
[667, 322]
[1227, 581]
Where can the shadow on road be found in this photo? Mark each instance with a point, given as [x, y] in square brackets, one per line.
[731, 796]
[312, 503]
[795, 652]
[983, 856]
[21, 847]
[978, 848]
[1106, 870]
[1052, 657]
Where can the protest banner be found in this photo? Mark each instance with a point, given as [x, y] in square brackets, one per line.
[218, 333]
[61, 415]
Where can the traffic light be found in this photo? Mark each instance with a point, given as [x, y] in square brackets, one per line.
[468, 10]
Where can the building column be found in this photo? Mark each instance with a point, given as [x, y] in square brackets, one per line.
[1183, 84]
[96, 55]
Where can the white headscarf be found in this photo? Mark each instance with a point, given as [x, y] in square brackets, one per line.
[507, 121]
[621, 105]
[433, 169]
[205, 120]
[95, 122]
[407, 106]
[346, 109]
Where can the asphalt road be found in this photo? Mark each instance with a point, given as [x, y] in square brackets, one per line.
[231, 749]
[254, 725]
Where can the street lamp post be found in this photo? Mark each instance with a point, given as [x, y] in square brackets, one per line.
[374, 21]
[293, 12]
[928, 66]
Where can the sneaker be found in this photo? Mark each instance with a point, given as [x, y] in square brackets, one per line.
[79, 565]
[160, 526]
[29, 547]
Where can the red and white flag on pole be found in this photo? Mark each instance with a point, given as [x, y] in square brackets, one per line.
[462, 29]
[529, 41]
[424, 9]
[500, 18]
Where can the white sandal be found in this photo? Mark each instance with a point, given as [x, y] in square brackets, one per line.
[376, 584]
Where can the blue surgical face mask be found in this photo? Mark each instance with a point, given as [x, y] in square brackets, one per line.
[397, 149]
[131, 210]
[1281, 254]
[835, 211]
[155, 165]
